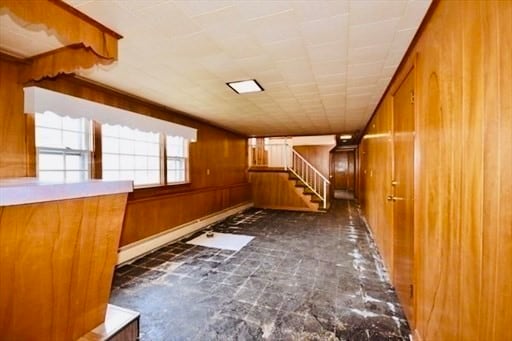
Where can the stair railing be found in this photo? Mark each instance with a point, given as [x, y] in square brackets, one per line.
[309, 175]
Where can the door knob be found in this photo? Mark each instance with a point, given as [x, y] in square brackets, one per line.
[393, 198]
[394, 183]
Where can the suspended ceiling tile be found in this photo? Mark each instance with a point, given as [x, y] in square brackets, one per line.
[370, 11]
[311, 57]
[375, 33]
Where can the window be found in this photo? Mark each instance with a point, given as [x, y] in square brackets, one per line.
[63, 146]
[130, 154]
[177, 159]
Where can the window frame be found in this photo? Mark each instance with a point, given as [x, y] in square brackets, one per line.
[134, 155]
[185, 159]
[85, 154]
[93, 157]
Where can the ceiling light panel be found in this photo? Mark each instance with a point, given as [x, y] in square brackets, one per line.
[244, 87]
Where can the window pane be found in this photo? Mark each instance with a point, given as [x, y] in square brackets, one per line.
[53, 131]
[126, 133]
[109, 144]
[173, 176]
[153, 177]
[141, 162]
[108, 130]
[141, 148]
[51, 176]
[74, 162]
[110, 161]
[48, 119]
[76, 176]
[51, 161]
[141, 177]
[153, 163]
[126, 174]
[126, 146]
[139, 155]
[48, 137]
[126, 162]
[153, 149]
[74, 124]
[110, 175]
[73, 140]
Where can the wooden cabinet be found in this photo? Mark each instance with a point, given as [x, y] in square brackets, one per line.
[57, 258]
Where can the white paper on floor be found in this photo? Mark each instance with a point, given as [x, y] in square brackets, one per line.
[225, 241]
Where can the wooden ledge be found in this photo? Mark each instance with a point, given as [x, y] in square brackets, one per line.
[268, 169]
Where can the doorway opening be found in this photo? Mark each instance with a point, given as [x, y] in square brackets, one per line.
[343, 174]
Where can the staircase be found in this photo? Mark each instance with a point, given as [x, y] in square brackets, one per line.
[316, 203]
[308, 181]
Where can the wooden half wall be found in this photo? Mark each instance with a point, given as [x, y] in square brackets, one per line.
[217, 160]
[462, 168]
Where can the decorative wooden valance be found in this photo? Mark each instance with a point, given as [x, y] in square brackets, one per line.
[86, 42]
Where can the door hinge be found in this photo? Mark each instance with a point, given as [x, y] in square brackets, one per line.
[412, 97]
[412, 290]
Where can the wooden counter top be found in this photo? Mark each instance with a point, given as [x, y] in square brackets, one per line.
[19, 191]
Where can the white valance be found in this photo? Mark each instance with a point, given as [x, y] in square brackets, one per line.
[41, 100]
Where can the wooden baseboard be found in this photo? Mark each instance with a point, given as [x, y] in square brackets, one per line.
[142, 247]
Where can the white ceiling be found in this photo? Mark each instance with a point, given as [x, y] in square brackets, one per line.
[324, 64]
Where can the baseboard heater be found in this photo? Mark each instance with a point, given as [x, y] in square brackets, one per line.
[140, 248]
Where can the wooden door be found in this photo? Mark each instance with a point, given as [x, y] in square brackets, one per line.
[344, 170]
[403, 194]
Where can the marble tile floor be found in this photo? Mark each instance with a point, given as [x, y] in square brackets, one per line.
[305, 276]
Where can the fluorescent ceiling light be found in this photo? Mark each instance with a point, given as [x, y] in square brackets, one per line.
[345, 137]
[243, 87]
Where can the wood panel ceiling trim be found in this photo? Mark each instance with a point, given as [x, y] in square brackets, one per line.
[87, 42]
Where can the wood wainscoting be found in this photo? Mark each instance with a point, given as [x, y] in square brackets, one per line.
[274, 189]
[153, 214]
[462, 172]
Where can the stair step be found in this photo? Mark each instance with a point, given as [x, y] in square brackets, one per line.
[316, 199]
[299, 183]
[292, 176]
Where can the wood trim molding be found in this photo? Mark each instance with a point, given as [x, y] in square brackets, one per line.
[86, 42]
[66, 23]
[268, 169]
[150, 193]
[65, 60]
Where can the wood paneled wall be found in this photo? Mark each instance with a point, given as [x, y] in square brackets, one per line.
[13, 127]
[150, 215]
[375, 152]
[273, 189]
[318, 156]
[463, 173]
[218, 160]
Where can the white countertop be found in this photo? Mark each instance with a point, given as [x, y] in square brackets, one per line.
[19, 191]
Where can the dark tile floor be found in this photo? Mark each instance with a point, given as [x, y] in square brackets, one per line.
[305, 276]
